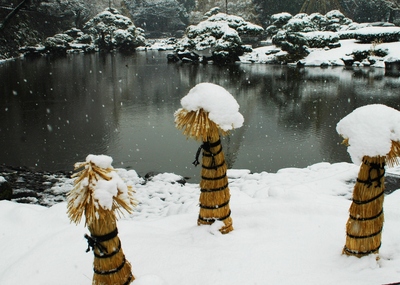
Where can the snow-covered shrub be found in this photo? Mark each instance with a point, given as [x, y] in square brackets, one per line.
[60, 41]
[271, 30]
[319, 21]
[213, 11]
[295, 34]
[295, 44]
[237, 23]
[222, 34]
[110, 29]
[300, 25]
[335, 21]
[84, 39]
[281, 19]
[322, 39]
[384, 34]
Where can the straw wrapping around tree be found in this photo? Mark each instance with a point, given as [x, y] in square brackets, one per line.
[215, 193]
[372, 134]
[196, 122]
[98, 193]
[365, 223]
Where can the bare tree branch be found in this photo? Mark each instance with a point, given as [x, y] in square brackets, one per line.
[12, 14]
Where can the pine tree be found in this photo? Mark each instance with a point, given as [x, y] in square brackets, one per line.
[320, 6]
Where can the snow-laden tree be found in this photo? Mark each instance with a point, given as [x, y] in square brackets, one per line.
[221, 33]
[320, 6]
[372, 10]
[164, 16]
[242, 8]
[296, 34]
[109, 29]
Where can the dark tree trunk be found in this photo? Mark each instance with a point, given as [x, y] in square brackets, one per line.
[12, 14]
[321, 6]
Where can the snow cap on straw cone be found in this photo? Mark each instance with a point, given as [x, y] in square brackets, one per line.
[98, 193]
[371, 130]
[208, 110]
[372, 134]
[212, 103]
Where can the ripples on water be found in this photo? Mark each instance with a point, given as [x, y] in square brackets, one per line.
[53, 112]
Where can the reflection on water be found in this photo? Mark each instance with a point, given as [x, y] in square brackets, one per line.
[53, 112]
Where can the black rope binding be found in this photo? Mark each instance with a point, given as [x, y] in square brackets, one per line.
[111, 271]
[214, 178]
[350, 251]
[214, 207]
[206, 146]
[212, 220]
[377, 167]
[129, 279]
[95, 241]
[367, 219]
[362, 237]
[359, 202]
[103, 255]
[215, 189]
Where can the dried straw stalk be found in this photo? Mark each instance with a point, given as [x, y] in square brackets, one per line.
[365, 223]
[110, 265]
[196, 124]
[215, 193]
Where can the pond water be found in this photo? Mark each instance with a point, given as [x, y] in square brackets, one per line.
[54, 112]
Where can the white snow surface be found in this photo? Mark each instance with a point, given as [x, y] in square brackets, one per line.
[289, 229]
[370, 130]
[101, 160]
[330, 57]
[222, 106]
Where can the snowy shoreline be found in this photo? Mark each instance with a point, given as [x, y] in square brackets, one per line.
[289, 229]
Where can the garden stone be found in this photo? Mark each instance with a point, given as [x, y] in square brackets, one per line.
[6, 191]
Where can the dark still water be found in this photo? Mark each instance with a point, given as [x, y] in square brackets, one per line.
[54, 112]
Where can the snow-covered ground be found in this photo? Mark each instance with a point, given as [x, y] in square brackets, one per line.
[321, 56]
[289, 229]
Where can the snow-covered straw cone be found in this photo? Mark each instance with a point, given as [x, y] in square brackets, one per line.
[98, 193]
[371, 138]
[196, 123]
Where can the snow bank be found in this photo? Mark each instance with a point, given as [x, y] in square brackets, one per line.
[289, 229]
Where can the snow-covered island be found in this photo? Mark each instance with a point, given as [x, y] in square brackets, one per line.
[302, 40]
[327, 40]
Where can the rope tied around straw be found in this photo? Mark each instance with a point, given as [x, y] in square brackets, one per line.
[215, 194]
[212, 220]
[95, 241]
[98, 194]
[206, 147]
[365, 223]
[361, 253]
[373, 167]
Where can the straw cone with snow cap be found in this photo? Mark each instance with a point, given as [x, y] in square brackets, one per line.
[207, 112]
[372, 134]
[98, 193]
